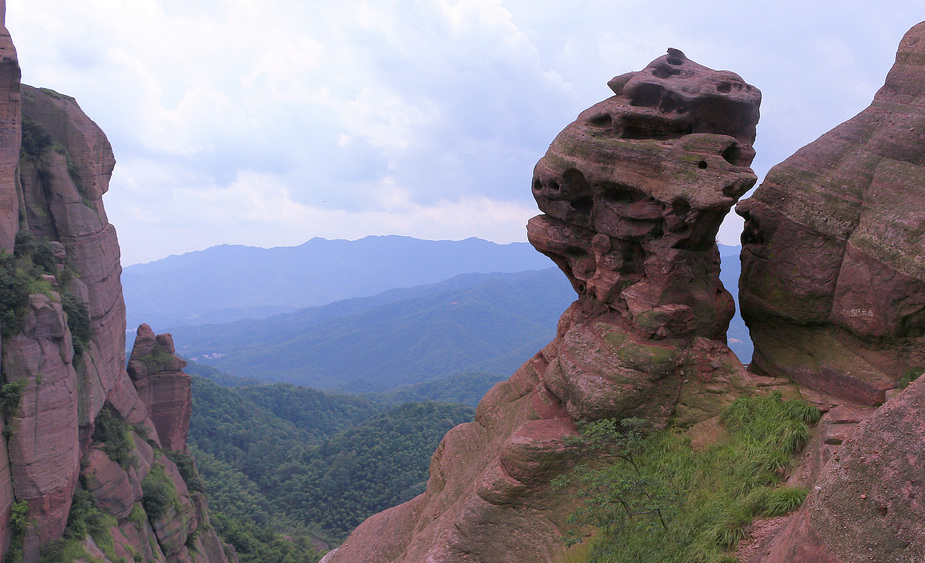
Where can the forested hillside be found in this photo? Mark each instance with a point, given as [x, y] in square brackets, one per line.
[283, 458]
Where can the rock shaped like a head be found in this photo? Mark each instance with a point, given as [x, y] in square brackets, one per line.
[635, 189]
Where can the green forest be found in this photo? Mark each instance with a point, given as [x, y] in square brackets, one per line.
[290, 471]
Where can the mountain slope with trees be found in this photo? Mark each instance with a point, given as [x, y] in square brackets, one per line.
[490, 326]
[280, 458]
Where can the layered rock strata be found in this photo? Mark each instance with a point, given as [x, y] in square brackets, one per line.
[77, 432]
[633, 194]
[833, 274]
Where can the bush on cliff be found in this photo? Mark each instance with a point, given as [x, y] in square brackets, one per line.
[652, 498]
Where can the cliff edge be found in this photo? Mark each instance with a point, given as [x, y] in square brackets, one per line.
[89, 464]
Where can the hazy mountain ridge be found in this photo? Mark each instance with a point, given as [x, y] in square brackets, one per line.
[490, 326]
[224, 283]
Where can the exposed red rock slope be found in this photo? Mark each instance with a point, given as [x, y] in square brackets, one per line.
[833, 274]
[832, 290]
[76, 423]
[867, 506]
[10, 121]
[633, 194]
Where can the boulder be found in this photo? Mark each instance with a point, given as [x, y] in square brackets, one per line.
[866, 507]
[833, 276]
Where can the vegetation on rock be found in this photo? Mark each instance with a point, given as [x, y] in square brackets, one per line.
[651, 497]
[85, 519]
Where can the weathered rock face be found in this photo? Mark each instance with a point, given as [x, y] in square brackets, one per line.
[866, 506]
[833, 277]
[162, 386]
[62, 200]
[634, 192]
[76, 432]
[10, 123]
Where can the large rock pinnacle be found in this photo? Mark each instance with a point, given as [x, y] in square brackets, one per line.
[633, 194]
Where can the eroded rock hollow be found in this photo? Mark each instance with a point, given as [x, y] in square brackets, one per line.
[633, 193]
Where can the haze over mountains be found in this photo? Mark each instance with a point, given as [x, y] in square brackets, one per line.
[226, 283]
[466, 321]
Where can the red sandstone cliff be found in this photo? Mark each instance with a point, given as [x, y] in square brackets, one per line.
[833, 257]
[78, 433]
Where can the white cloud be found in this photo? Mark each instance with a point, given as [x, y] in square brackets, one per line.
[424, 117]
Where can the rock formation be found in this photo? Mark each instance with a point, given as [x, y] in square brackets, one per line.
[78, 435]
[833, 258]
[10, 123]
[633, 194]
[162, 386]
[866, 506]
[832, 292]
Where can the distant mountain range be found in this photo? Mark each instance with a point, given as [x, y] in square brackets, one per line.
[737, 336]
[473, 322]
[226, 283]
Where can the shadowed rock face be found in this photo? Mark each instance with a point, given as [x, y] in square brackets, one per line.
[633, 193]
[833, 280]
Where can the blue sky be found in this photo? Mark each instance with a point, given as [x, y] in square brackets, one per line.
[269, 123]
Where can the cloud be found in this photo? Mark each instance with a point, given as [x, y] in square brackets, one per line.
[264, 214]
[382, 114]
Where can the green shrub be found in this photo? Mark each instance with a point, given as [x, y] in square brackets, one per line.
[186, 465]
[158, 493]
[78, 321]
[84, 519]
[35, 139]
[112, 435]
[137, 517]
[10, 394]
[907, 378]
[19, 520]
[14, 295]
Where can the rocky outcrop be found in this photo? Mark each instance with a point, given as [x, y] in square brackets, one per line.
[79, 438]
[633, 194]
[866, 507]
[43, 447]
[165, 390]
[10, 124]
[833, 276]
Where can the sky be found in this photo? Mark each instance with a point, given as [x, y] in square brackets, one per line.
[270, 122]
